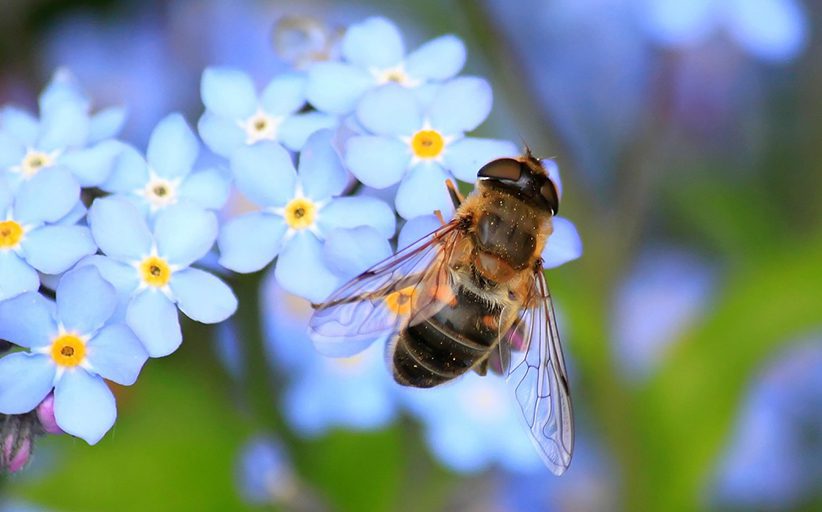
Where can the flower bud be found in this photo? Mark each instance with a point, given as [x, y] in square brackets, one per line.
[15, 443]
[45, 415]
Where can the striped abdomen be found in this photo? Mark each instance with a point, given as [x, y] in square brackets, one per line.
[451, 342]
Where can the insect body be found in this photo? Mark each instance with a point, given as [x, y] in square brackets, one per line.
[470, 293]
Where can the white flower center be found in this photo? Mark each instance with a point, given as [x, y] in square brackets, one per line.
[395, 74]
[261, 126]
[35, 160]
[160, 192]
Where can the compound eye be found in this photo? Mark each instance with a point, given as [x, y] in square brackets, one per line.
[501, 169]
[549, 192]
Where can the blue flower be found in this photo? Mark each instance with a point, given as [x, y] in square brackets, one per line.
[152, 271]
[323, 393]
[421, 146]
[32, 236]
[474, 423]
[236, 117]
[264, 473]
[775, 30]
[59, 139]
[301, 210]
[72, 347]
[374, 54]
[164, 177]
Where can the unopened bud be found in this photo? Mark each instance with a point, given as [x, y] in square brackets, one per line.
[15, 443]
[45, 415]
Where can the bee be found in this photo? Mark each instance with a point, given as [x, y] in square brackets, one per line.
[469, 295]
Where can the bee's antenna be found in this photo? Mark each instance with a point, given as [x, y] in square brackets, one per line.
[527, 148]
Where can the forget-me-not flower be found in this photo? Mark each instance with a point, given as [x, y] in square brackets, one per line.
[152, 270]
[237, 117]
[264, 472]
[301, 209]
[164, 177]
[72, 346]
[32, 236]
[66, 137]
[421, 146]
[373, 55]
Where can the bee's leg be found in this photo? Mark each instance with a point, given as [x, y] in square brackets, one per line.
[482, 368]
[456, 197]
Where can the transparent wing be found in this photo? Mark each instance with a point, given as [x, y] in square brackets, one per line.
[382, 299]
[533, 363]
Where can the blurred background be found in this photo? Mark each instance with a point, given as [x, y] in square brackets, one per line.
[689, 135]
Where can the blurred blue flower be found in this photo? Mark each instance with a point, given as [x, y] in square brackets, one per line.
[165, 176]
[152, 271]
[774, 460]
[236, 117]
[32, 238]
[66, 137]
[421, 146]
[264, 473]
[322, 393]
[773, 30]
[374, 55]
[664, 293]
[301, 211]
[474, 423]
[72, 346]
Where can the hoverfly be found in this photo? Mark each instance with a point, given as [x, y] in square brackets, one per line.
[471, 293]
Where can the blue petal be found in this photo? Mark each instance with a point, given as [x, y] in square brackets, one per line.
[552, 169]
[265, 173]
[63, 88]
[25, 380]
[285, 94]
[116, 354]
[460, 105]
[249, 243]
[172, 148]
[375, 42]
[222, 135]
[125, 279]
[153, 318]
[228, 92]
[438, 59]
[11, 150]
[563, 245]
[84, 406]
[106, 123]
[185, 233]
[23, 125]
[202, 296]
[376, 161]
[774, 30]
[92, 166]
[66, 125]
[46, 197]
[55, 249]
[301, 268]
[207, 188]
[423, 191]
[465, 157]
[129, 172]
[335, 87]
[350, 212]
[349, 252]
[75, 215]
[6, 196]
[16, 276]
[417, 228]
[85, 300]
[322, 174]
[390, 110]
[28, 320]
[295, 129]
[119, 229]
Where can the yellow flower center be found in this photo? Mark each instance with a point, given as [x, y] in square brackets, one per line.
[155, 271]
[34, 161]
[300, 213]
[68, 350]
[10, 234]
[427, 144]
[400, 301]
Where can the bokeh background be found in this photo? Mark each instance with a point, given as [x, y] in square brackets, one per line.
[689, 134]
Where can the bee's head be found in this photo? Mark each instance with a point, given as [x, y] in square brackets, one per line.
[524, 177]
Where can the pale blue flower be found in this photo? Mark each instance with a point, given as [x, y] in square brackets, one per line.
[422, 145]
[264, 472]
[301, 210]
[152, 270]
[373, 55]
[236, 116]
[72, 346]
[164, 177]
